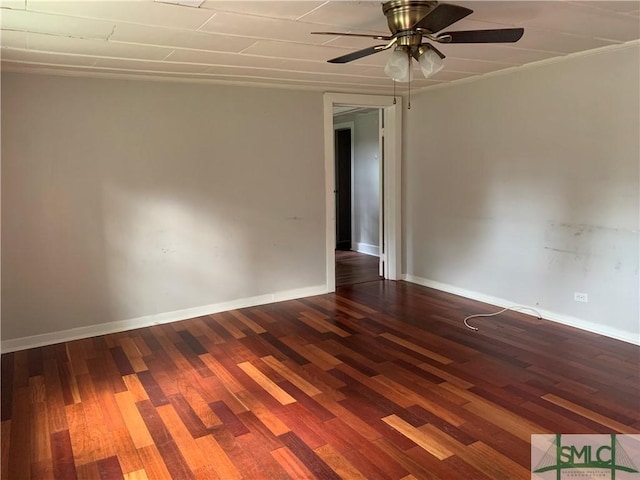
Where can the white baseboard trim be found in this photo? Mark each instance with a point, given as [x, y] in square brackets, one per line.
[625, 336]
[33, 341]
[367, 248]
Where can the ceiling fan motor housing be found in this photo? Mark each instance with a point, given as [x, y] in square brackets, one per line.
[402, 15]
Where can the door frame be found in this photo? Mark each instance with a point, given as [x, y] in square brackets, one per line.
[351, 126]
[390, 243]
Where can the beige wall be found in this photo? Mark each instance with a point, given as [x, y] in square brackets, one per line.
[524, 187]
[123, 199]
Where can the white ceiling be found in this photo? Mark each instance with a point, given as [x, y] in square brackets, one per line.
[269, 42]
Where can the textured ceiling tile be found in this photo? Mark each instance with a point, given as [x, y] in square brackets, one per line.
[263, 28]
[21, 20]
[48, 43]
[472, 66]
[534, 39]
[217, 58]
[15, 4]
[167, 37]
[288, 10]
[476, 51]
[522, 57]
[580, 20]
[141, 12]
[353, 43]
[627, 6]
[354, 16]
[506, 12]
[325, 67]
[269, 48]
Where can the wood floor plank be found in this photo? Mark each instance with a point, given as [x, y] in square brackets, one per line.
[220, 462]
[265, 382]
[133, 420]
[41, 456]
[133, 354]
[196, 459]
[585, 412]
[294, 467]
[62, 456]
[519, 426]
[110, 469]
[379, 380]
[4, 449]
[55, 400]
[6, 386]
[267, 417]
[168, 451]
[154, 466]
[416, 348]
[290, 375]
[137, 475]
[255, 328]
[338, 463]
[135, 387]
[308, 457]
[322, 325]
[419, 437]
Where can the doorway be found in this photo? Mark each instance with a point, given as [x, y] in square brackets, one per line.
[357, 194]
[390, 195]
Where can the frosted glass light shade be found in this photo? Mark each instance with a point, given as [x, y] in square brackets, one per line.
[430, 63]
[398, 67]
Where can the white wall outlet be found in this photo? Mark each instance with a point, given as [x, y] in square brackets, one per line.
[581, 297]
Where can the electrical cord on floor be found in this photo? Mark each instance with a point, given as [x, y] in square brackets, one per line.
[514, 308]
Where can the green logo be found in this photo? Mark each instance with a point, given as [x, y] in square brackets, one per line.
[585, 456]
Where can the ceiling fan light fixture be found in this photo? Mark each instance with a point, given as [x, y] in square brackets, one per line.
[430, 63]
[398, 67]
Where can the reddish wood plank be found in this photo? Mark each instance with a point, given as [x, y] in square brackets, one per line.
[229, 419]
[308, 457]
[170, 454]
[62, 455]
[109, 469]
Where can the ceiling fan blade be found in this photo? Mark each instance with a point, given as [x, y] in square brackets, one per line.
[504, 35]
[365, 35]
[441, 17]
[350, 57]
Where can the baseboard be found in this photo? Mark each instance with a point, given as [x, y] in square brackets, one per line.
[547, 315]
[23, 343]
[366, 248]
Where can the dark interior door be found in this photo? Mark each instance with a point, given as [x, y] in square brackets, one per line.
[343, 189]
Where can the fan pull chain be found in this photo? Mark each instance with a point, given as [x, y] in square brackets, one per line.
[394, 92]
[409, 97]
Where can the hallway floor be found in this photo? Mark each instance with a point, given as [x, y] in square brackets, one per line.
[353, 267]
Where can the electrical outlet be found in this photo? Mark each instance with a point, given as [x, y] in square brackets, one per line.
[581, 297]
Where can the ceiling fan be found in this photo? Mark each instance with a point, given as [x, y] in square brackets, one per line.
[413, 21]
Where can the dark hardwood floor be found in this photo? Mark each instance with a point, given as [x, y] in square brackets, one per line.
[378, 381]
[353, 267]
